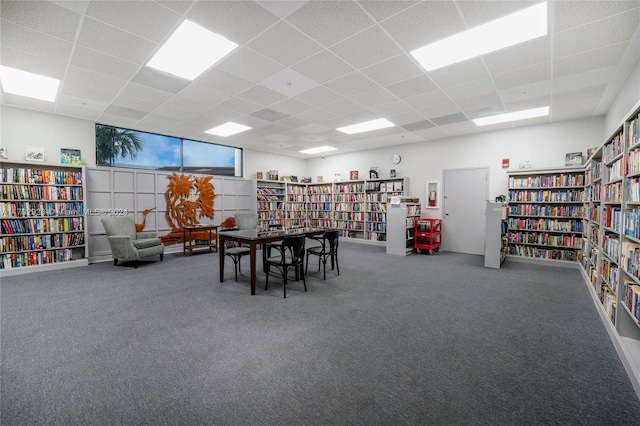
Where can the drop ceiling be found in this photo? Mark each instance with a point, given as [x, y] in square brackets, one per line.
[305, 68]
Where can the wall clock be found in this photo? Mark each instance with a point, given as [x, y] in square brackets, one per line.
[395, 159]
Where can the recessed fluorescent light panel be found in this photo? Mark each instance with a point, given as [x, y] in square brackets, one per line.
[509, 30]
[318, 150]
[190, 51]
[228, 129]
[512, 116]
[27, 84]
[380, 123]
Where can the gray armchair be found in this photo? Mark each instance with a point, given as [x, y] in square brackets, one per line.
[127, 244]
[246, 220]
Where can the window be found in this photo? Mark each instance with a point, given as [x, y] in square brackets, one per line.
[119, 147]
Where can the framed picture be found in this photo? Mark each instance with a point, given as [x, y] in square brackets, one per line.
[305, 179]
[374, 172]
[433, 195]
[294, 178]
[319, 179]
[392, 173]
[353, 175]
[4, 154]
[70, 156]
[573, 159]
[35, 153]
[259, 175]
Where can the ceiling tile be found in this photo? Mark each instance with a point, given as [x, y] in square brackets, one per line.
[366, 48]
[31, 63]
[291, 106]
[249, 65]
[523, 76]
[343, 107]
[393, 70]
[574, 13]
[73, 111]
[418, 125]
[480, 12]
[269, 114]
[376, 96]
[424, 23]
[143, 18]
[157, 123]
[151, 77]
[42, 16]
[102, 63]
[598, 34]
[224, 81]
[329, 22]
[281, 8]
[519, 56]
[599, 58]
[285, 44]
[381, 10]
[470, 70]
[29, 103]
[351, 84]
[412, 86]
[204, 94]
[323, 67]
[472, 89]
[178, 6]
[124, 111]
[289, 82]
[261, 95]
[109, 40]
[319, 96]
[223, 17]
[528, 91]
[34, 43]
[316, 115]
[583, 80]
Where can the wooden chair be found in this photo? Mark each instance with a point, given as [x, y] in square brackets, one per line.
[290, 256]
[328, 249]
[235, 251]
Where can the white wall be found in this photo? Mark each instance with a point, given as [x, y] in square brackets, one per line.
[22, 127]
[258, 161]
[626, 100]
[544, 145]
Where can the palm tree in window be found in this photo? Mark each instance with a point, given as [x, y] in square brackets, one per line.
[113, 143]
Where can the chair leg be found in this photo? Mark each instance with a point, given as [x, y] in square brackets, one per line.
[285, 282]
[135, 264]
[337, 266]
[324, 267]
[115, 262]
[161, 256]
[235, 268]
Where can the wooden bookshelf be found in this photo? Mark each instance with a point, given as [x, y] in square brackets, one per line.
[42, 217]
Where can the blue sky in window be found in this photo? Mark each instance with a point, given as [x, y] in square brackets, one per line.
[159, 151]
[205, 154]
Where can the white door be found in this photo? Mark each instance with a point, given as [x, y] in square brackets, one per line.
[464, 203]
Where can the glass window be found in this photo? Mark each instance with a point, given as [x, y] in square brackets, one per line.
[118, 147]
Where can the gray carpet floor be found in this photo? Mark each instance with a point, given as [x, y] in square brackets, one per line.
[416, 340]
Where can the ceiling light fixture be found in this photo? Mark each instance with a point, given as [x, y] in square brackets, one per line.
[512, 116]
[228, 129]
[380, 123]
[27, 84]
[509, 30]
[318, 150]
[190, 51]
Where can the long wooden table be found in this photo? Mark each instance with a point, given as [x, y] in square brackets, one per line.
[253, 238]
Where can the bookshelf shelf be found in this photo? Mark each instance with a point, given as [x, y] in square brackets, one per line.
[42, 223]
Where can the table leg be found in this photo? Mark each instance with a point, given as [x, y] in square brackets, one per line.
[252, 260]
[221, 256]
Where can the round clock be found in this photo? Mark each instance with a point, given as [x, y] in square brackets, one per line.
[396, 159]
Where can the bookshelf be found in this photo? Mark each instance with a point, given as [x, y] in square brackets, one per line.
[42, 217]
[401, 221]
[545, 213]
[349, 208]
[357, 208]
[611, 266]
[496, 247]
[272, 197]
[378, 193]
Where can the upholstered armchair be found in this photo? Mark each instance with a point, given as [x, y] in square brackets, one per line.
[127, 244]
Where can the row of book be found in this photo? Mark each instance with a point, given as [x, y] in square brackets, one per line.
[609, 302]
[41, 242]
[630, 258]
[350, 216]
[633, 189]
[610, 246]
[632, 223]
[543, 253]
[349, 187]
[320, 198]
[352, 197]
[19, 260]
[546, 210]
[593, 193]
[291, 189]
[296, 198]
[610, 273]
[544, 239]
[377, 227]
[613, 148]
[40, 176]
[271, 215]
[553, 181]
[40, 209]
[631, 298]
[345, 207]
[612, 218]
[347, 224]
[615, 170]
[270, 205]
[376, 236]
[554, 225]
[571, 195]
[612, 192]
[41, 225]
[38, 192]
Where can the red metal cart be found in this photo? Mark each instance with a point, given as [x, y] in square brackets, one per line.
[428, 233]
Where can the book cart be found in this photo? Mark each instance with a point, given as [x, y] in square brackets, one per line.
[428, 233]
